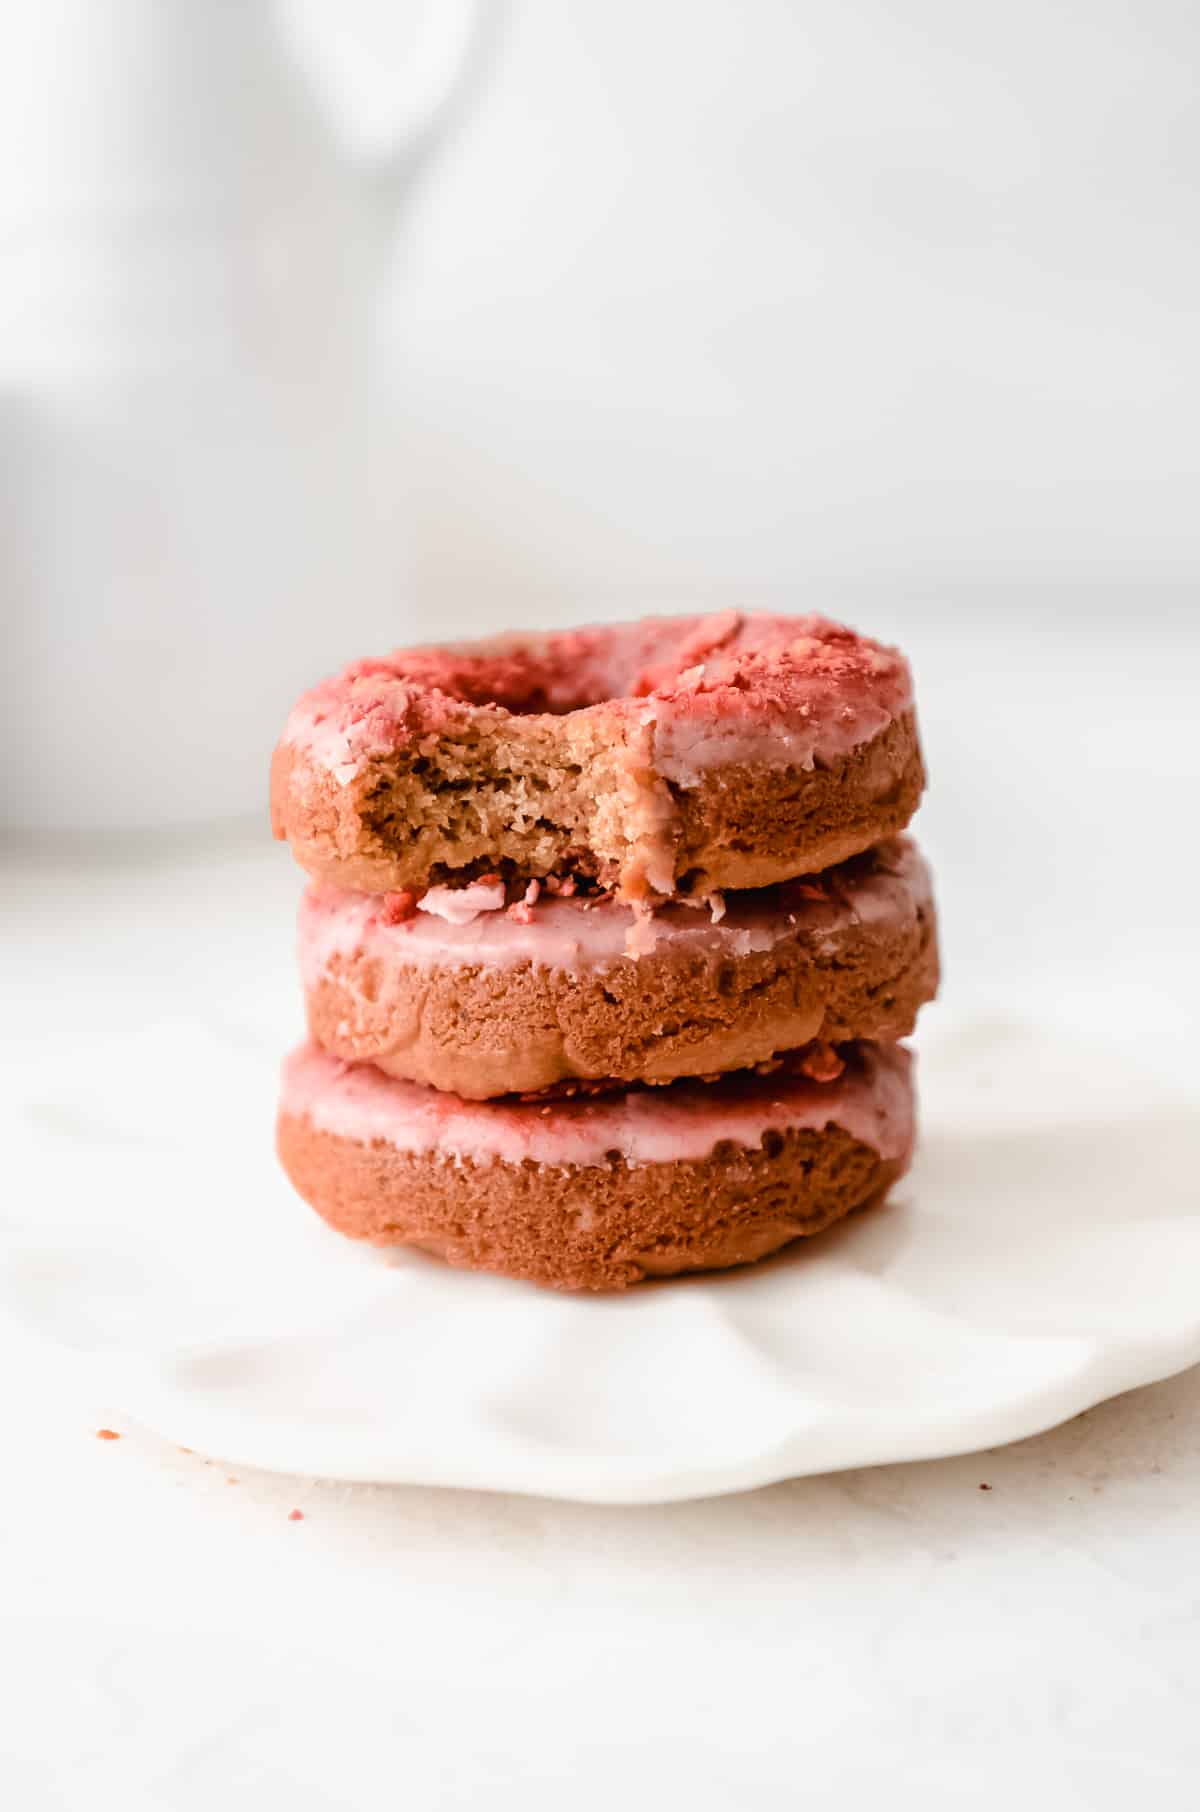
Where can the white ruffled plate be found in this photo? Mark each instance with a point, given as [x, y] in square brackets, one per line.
[1043, 1255]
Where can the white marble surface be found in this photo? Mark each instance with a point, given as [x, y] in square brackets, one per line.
[172, 1640]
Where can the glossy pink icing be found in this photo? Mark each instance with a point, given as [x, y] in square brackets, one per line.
[690, 692]
[872, 1101]
[569, 935]
[462, 905]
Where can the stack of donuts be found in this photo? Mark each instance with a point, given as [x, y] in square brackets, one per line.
[608, 945]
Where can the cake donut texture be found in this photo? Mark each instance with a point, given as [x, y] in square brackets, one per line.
[672, 757]
[596, 1193]
[504, 999]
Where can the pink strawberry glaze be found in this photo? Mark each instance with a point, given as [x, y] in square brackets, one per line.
[691, 692]
[570, 935]
[872, 1101]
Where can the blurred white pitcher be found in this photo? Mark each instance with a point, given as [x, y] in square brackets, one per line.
[191, 246]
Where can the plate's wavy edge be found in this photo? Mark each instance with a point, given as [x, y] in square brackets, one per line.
[1100, 1378]
[1101, 1369]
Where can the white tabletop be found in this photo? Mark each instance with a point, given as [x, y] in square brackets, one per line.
[894, 1636]
[174, 1638]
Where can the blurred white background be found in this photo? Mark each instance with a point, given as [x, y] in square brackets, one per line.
[325, 329]
[740, 296]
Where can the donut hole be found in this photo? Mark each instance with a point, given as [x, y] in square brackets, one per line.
[540, 701]
[555, 674]
[537, 679]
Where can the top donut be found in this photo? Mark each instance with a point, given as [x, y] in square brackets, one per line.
[673, 757]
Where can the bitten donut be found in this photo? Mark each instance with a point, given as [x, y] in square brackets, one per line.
[596, 1194]
[463, 992]
[671, 757]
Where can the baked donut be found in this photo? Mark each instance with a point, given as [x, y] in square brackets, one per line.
[595, 1194]
[461, 992]
[672, 757]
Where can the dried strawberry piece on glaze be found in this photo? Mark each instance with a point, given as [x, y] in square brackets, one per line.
[397, 907]
[821, 1063]
[710, 634]
[521, 912]
[532, 893]
[359, 709]
[810, 890]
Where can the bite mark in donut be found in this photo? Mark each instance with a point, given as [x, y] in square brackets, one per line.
[670, 757]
